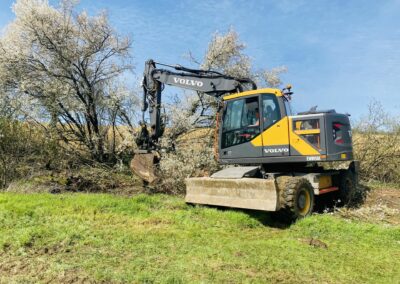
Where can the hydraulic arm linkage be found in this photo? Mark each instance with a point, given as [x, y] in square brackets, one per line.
[208, 82]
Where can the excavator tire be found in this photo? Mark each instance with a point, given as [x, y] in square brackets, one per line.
[347, 186]
[297, 198]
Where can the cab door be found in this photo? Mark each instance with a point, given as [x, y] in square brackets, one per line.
[275, 127]
[241, 124]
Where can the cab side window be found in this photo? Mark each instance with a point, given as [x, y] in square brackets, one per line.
[271, 112]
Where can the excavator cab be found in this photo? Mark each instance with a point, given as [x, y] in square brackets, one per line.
[245, 117]
[257, 128]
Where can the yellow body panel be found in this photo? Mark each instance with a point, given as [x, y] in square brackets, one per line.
[277, 92]
[257, 142]
[281, 134]
[277, 134]
[307, 131]
[325, 181]
[299, 144]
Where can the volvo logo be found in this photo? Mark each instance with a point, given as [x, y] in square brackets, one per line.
[188, 82]
[276, 150]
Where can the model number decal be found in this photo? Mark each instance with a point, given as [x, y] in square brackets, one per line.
[314, 158]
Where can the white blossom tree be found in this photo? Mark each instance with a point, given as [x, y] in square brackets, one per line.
[226, 54]
[66, 64]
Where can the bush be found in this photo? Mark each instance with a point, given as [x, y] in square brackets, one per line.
[25, 149]
[194, 157]
[377, 145]
[80, 179]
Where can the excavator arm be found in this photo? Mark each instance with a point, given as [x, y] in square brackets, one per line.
[211, 83]
[154, 79]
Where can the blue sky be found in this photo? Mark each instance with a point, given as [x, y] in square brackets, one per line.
[340, 54]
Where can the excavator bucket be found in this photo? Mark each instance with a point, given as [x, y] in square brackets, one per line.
[143, 165]
[248, 193]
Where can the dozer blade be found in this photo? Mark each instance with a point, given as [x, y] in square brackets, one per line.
[248, 193]
[143, 165]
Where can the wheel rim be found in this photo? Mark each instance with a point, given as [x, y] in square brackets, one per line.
[304, 202]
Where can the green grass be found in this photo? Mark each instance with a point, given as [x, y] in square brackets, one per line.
[77, 237]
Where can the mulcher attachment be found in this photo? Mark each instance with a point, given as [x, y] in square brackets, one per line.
[144, 165]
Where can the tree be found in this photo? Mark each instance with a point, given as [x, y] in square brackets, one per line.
[226, 54]
[67, 65]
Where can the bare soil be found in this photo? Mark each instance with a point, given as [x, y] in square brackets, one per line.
[386, 196]
[35, 266]
[382, 205]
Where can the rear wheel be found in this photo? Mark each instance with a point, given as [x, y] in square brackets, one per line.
[347, 186]
[298, 198]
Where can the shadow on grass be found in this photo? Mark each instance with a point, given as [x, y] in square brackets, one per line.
[276, 220]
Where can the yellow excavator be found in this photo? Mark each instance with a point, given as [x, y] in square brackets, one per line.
[273, 158]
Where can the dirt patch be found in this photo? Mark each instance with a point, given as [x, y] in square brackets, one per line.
[387, 197]
[155, 222]
[35, 267]
[314, 243]
[381, 205]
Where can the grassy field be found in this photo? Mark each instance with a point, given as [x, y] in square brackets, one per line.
[159, 239]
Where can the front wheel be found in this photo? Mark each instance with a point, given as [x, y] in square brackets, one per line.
[298, 198]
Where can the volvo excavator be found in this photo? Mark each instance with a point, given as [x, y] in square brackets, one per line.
[273, 160]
